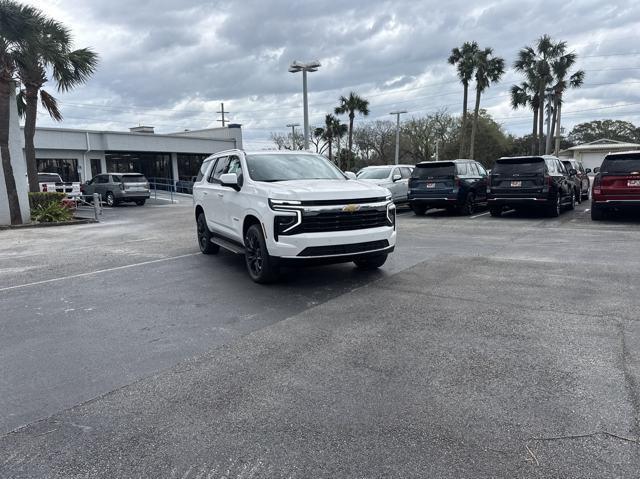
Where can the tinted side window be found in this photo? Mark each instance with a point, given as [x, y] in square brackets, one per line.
[462, 169]
[116, 179]
[406, 172]
[103, 179]
[202, 171]
[233, 166]
[216, 171]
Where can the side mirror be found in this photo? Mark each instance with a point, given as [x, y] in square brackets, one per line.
[588, 170]
[350, 175]
[573, 172]
[596, 169]
[397, 177]
[230, 180]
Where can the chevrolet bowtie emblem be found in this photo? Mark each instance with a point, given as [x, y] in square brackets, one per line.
[351, 208]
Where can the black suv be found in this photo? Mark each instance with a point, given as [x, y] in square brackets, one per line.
[531, 182]
[459, 186]
[580, 179]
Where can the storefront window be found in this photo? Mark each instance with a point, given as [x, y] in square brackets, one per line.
[189, 165]
[66, 168]
[151, 165]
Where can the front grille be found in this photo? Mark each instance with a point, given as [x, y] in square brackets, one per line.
[343, 202]
[342, 221]
[344, 248]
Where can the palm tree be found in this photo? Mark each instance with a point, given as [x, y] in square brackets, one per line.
[352, 105]
[560, 69]
[464, 59]
[19, 27]
[526, 95]
[489, 69]
[536, 61]
[69, 68]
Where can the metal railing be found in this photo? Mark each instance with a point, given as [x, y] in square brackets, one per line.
[82, 201]
[171, 186]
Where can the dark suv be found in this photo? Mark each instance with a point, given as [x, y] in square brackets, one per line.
[459, 186]
[540, 182]
[617, 184]
[580, 179]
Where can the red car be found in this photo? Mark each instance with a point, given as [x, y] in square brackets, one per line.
[616, 185]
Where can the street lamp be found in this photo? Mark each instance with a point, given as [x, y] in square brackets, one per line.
[397, 114]
[296, 67]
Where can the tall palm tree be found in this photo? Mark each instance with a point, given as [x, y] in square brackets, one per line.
[69, 68]
[489, 69]
[464, 59]
[351, 105]
[526, 95]
[536, 61]
[560, 69]
[331, 125]
[19, 27]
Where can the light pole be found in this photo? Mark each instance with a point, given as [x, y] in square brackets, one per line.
[296, 67]
[293, 133]
[397, 114]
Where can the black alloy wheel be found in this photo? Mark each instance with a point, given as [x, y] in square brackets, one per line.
[204, 236]
[469, 205]
[261, 267]
[555, 209]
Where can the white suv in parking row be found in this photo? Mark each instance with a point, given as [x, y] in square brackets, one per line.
[291, 207]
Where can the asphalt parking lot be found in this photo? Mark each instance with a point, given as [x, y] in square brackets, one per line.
[485, 347]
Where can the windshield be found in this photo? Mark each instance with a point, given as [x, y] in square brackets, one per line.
[291, 166]
[621, 164]
[374, 174]
[49, 178]
[520, 166]
[434, 171]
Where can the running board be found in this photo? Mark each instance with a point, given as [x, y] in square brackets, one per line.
[228, 245]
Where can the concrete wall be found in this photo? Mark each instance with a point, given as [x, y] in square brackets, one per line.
[16, 146]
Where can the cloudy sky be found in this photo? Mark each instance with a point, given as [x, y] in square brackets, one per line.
[170, 63]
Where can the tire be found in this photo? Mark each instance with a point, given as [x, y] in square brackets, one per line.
[140, 202]
[419, 210]
[371, 262]
[578, 197]
[597, 213]
[204, 236]
[469, 205]
[553, 211]
[110, 200]
[261, 267]
[572, 205]
[496, 212]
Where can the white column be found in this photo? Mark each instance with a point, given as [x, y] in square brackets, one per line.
[174, 166]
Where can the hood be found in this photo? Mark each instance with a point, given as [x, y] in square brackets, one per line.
[311, 190]
[383, 181]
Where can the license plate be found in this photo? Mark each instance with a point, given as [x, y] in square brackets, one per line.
[635, 183]
[431, 185]
[515, 184]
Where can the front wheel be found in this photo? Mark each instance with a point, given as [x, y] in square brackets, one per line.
[110, 199]
[204, 236]
[262, 268]
[553, 211]
[371, 262]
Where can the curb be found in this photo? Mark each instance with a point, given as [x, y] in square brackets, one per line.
[80, 221]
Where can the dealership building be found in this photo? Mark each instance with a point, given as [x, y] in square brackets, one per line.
[78, 155]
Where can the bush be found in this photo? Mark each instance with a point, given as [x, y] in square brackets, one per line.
[51, 213]
[45, 199]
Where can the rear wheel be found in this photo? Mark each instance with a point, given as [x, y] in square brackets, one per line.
[597, 213]
[204, 236]
[553, 211]
[140, 202]
[110, 199]
[469, 205]
[371, 262]
[495, 211]
[572, 205]
[262, 268]
[419, 210]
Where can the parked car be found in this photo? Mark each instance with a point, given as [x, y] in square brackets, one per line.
[616, 185]
[581, 178]
[458, 185]
[116, 188]
[290, 208]
[539, 182]
[52, 182]
[395, 178]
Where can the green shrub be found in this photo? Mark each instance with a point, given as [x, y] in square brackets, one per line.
[44, 199]
[51, 213]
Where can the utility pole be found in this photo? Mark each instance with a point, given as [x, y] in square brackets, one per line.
[549, 97]
[397, 114]
[222, 112]
[293, 134]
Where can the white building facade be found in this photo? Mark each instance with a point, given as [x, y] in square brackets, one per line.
[78, 155]
[591, 154]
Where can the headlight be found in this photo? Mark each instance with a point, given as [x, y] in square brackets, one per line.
[277, 204]
[391, 215]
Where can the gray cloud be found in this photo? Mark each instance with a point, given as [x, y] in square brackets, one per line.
[171, 63]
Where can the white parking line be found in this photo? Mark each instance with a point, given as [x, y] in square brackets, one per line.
[478, 216]
[80, 275]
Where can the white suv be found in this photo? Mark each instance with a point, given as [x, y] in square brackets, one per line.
[290, 207]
